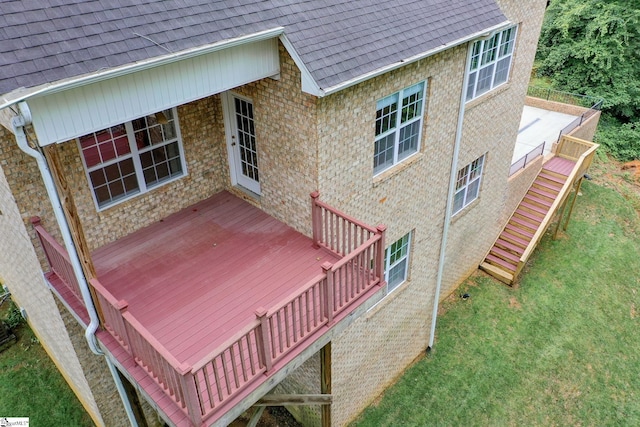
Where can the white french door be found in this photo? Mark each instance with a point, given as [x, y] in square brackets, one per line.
[241, 142]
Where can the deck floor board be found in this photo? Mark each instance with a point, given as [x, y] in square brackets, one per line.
[196, 278]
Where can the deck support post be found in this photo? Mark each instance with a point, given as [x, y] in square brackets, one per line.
[326, 268]
[264, 347]
[575, 196]
[253, 422]
[325, 383]
[561, 215]
[316, 220]
[73, 219]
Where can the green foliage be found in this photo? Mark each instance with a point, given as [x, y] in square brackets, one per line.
[593, 47]
[13, 318]
[561, 349]
[622, 140]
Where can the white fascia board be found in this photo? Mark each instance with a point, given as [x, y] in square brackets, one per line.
[309, 85]
[23, 94]
[478, 35]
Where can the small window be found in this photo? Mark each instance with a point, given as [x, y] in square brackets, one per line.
[490, 62]
[133, 157]
[468, 184]
[397, 262]
[398, 127]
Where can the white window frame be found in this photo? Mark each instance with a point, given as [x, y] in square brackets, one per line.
[468, 183]
[135, 154]
[489, 64]
[397, 255]
[391, 127]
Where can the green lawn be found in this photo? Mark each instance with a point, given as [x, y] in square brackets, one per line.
[563, 348]
[31, 386]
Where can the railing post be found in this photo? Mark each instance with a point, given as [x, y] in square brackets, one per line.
[380, 253]
[190, 393]
[316, 220]
[123, 307]
[264, 346]
[326, 268]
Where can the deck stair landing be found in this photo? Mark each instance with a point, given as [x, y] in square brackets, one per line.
[505, 256]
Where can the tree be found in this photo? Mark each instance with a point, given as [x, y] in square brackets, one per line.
[593, 47]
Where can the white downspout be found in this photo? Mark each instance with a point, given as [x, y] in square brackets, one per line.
[18, 123]
[448, 209]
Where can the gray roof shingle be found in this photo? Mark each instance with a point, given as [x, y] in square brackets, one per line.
[338, 40]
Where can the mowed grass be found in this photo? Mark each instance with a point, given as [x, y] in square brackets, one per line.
[31, 386]
[561, 349]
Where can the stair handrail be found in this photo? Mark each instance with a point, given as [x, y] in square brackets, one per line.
[578, 170]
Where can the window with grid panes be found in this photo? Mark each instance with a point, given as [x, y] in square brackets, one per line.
[398, 127]
[468, 184]
[133, 157]
[490, 62]
[397, 262]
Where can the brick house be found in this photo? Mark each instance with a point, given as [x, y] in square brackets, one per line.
[157, 164]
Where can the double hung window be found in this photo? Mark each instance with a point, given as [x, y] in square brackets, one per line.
[468, 184]
[397, 262]
[490, 62]
[398, 127]
[133, 157]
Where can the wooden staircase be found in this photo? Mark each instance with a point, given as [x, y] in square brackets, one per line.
[548, 193]
[506, 253]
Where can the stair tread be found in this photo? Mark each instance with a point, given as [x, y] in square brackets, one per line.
[535, 208]
[535, 199]
[519, 223]
[505, 255]
[508, 245]
[515, 229]
[549, 186]
[528, 215]
[543, 193]
[508, 236]
[502, 263]
[548, 175]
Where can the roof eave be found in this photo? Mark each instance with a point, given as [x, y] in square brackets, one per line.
[23, 94]
[352, 82]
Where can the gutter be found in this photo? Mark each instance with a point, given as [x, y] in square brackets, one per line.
[138, 66]
[18, 123]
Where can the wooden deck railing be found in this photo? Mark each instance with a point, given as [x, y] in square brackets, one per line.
[57, 257]
[582, 153]
[200, 390]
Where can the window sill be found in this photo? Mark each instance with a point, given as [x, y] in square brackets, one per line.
[397, 169]
[390, 296]
[464, 211]
[488, 95]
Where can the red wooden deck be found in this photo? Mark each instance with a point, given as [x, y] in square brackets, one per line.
[195, 278]
[179, 297]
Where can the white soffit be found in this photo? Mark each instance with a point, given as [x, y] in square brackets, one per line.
[67, 114]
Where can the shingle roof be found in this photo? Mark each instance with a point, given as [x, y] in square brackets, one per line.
[338, 40]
